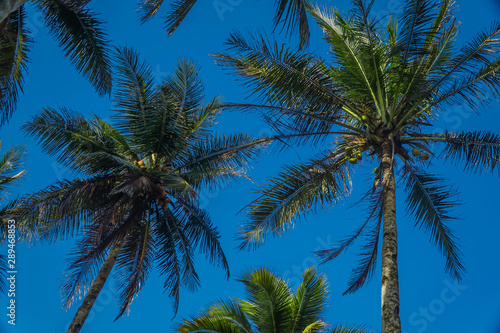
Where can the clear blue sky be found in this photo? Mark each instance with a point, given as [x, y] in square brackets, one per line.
[428, 303]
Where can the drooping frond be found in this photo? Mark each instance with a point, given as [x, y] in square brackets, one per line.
[134, 263]
[80, 34]
[428, 202]
[15, 44]
[297, 190]
[174, 255]
[292, 14]
[201, 233]
[366, 265]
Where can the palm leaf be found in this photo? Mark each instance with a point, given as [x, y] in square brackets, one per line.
[429, 201]
[298, 189]
[479, 150]
[309, 302]
[15, 44]
[81, 35]
[134, 263]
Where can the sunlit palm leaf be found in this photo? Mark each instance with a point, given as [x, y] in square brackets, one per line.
[297, 190]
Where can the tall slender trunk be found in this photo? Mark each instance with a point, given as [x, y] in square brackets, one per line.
[390, 279]
[84, 310]
[9, 6]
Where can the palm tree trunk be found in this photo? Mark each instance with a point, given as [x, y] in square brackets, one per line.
[84, 310]
[390, 279]
[9, 6]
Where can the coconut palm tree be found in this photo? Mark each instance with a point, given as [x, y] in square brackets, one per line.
[77, 30]
[290, 14]
[11, 163]
[272, 306]
[372, 103]
[135, 204]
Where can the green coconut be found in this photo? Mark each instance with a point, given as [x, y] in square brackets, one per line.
[359, 157]
[353, 160]
[415, 152]
[376, 170]
[364, 118]
[424, 157]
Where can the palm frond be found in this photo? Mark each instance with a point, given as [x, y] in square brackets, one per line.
[11, 163]
[309, 301]
[202, 233]
[223, 316]
[350, 329]
[280, 76]
[15, 44]
[366, 265]
[480, 151]
[179, 9]
[85, 145]
[81, 35]
[429, 201]
[269, 300]
[175, 255]
[297, 190]
[231, 154]
[149, 8]
[292, 14]
[134, 263]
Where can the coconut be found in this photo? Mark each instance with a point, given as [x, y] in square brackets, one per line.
[353, 160]
[359, 157]
[135, 163]
[364, 118]
[141, 163]
[415, 152]
[424, 157]
[376, 170]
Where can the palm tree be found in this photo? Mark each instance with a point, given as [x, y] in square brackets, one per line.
[77, 30]
[290, 14]
[136, 203]
[11, 163]
[385, 85]
[272, 307]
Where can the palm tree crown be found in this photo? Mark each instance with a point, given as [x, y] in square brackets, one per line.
[137, 197]
[374, 101]
[271, 307]
[77, 30]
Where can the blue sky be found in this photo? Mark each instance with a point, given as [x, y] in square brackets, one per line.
[430, 301]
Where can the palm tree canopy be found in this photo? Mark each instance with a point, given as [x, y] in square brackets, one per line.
[139, 180]
[271, 306]
[290, 14]
[383, 84]
[80, 35]
[11, 164]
